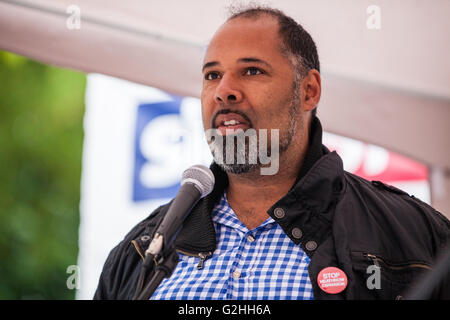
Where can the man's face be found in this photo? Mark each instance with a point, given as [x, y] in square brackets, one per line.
[248, 82]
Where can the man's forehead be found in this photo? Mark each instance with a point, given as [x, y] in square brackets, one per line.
[261, 21]
[247, 27]
[244, 37]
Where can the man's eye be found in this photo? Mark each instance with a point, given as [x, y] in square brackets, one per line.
[253, 72]
[212, 76]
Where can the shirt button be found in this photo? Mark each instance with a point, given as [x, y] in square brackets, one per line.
[279, 213]
[250, 238]
[311, 245]
[236, 275]
[297, 233]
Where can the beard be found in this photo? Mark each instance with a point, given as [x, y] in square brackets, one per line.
[238, 152]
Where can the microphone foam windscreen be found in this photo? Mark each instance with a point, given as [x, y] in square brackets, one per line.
[201, 177]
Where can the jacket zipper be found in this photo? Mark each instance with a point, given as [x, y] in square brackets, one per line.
[202, 255]
[136, 246]
[377, 260]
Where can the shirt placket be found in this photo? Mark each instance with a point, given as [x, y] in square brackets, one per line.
[240, 270]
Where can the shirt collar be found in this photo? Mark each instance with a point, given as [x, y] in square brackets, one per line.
[223, 214]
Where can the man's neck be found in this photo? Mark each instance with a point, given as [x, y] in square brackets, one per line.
[251, 195]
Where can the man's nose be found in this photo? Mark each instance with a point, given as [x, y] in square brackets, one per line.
[227, 92]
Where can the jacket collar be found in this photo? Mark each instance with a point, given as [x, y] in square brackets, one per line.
[306, 206]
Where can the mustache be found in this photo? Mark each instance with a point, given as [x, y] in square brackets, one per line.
[226, 111]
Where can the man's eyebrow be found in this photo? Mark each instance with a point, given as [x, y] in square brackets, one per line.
[209, 65]
[254, 60]
[244, 60]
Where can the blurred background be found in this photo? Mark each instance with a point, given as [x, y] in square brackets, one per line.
[41, 139]
[99, 116]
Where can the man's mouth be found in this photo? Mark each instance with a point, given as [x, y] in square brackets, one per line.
[230, 126]
[228, 123]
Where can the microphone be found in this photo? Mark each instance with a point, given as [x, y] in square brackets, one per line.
[197, 182]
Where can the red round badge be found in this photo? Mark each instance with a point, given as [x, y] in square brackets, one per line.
[332, 280]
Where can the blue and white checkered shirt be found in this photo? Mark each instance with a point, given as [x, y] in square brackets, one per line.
[258, 264]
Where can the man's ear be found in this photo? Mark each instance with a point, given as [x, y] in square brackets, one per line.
[312, 88]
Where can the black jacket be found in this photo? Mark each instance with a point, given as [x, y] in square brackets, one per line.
[344, 221]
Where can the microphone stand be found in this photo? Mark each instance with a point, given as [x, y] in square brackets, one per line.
[163, 268]
[160, 257]
[159, 262]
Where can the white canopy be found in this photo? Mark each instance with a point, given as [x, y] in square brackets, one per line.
[387, 86]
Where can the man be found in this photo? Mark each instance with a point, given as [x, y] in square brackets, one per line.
[308, 231]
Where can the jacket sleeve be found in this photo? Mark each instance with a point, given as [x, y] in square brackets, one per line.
[443, 290]
[440, 231]
[121, 270]
[105, 289]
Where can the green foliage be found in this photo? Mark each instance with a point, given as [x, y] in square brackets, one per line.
[41, 137]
